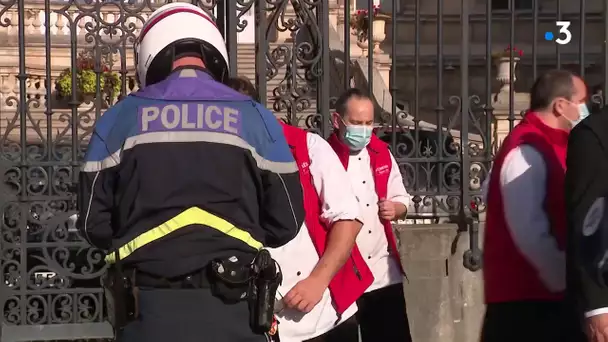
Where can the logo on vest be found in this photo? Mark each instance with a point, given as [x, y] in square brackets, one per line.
[594, 216]
[304, 168]
[381, 169]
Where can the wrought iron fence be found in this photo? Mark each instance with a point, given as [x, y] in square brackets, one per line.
[432, 76]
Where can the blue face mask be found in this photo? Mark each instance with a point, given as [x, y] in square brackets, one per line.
[583, 112]
[357, 136]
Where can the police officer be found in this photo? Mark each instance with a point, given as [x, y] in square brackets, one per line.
[586, 208]
[183, 183]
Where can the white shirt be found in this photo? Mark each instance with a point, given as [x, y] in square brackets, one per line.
[299, 257]
[372, 241]
[523, 182]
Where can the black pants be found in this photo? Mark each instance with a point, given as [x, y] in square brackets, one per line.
[348, 331]
[382, 315]
[533, 321]
[188, 315]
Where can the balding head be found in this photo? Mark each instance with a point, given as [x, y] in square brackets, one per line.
[354, 107]
[558, 95]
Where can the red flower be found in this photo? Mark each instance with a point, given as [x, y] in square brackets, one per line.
[473, 205]
[516, 51]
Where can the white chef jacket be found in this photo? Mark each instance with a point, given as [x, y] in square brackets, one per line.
[372, 241]
[299, 257]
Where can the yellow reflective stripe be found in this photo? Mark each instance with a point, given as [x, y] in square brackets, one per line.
[188, 217]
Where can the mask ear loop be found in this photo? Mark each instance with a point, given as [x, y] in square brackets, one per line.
[574, 104]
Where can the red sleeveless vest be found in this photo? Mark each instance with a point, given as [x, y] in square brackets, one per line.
[508, 275]
[381, 164]
[351, 281]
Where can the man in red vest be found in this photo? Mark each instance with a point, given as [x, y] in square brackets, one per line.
[525, 238]
[322, 278]
[378, 185]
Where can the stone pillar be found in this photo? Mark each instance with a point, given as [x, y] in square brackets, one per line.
[444, 299]
[383, 63]
[468, 302]
[500, 120]
[335, 11]
[426, 256]
[340, 21]
[501, 100]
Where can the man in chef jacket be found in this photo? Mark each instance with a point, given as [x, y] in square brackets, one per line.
[322, 279]
[378, 185]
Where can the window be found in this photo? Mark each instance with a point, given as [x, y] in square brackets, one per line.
[518, 4]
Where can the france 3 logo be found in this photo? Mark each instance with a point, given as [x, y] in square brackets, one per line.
[563, 36]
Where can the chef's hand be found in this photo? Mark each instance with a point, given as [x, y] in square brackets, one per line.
[306, 294]
[387, 210]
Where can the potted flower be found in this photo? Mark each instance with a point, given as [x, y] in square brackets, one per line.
[359, 23]
[86, 80]
[506, 53]
[503, 61]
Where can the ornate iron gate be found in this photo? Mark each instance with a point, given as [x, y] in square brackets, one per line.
[64, 61]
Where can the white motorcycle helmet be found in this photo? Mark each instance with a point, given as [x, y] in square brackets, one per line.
[174, 31]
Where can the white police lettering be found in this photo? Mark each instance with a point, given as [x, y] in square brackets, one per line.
[170, 116]
[207, 113]
[185, 123]
[594, 216]
[231, 120]
[148, 114]
[190, 117]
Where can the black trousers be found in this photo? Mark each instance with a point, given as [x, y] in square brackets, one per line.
[533, 321]
[382, 315]
[188, 315]
[348, 331]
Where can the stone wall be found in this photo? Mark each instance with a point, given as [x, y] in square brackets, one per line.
[444, 300]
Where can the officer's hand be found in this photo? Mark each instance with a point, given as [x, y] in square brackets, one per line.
[306, 294]
[597, 328]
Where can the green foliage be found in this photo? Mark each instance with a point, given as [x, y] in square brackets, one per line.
[112, 84]
[86, 79]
